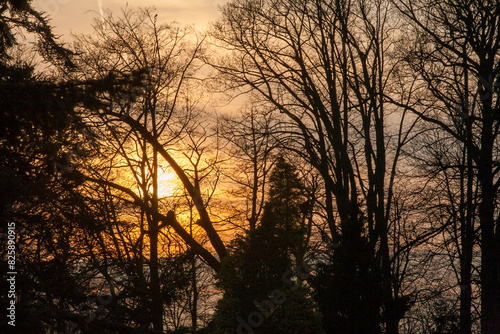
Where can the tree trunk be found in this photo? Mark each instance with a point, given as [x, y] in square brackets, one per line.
[194, 304]
[155, 289]
[156, 300]
[490, 257]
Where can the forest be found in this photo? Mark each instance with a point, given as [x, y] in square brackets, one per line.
[300, 167]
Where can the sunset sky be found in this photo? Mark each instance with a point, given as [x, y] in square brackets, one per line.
[73, 16]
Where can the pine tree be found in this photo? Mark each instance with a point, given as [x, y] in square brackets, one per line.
[262, 291]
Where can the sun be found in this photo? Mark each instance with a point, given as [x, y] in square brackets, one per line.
[168, 183]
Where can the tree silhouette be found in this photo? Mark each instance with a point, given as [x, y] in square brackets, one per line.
[326, 67]
[39, 126]
[261, 280]
[456, 54]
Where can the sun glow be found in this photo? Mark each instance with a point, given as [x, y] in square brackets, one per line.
[168, 183]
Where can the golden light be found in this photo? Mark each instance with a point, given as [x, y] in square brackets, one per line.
[168, 183]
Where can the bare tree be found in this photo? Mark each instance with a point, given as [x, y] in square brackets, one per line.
[455, 51]
[325, 65]
[251, 145]
[445, 196]
[147, 124]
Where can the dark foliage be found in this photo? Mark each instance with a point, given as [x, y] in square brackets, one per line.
[262, 288]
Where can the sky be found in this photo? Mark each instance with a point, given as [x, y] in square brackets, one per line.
[76, 16]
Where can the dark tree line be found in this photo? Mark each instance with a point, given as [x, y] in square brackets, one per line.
[357, 191]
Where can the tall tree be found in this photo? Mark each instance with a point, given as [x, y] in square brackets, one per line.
[262, 277]
[149, 122]
[38, 124]
[325, 66]
[456, 54]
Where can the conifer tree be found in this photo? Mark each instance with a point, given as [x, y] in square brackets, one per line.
[261, 279]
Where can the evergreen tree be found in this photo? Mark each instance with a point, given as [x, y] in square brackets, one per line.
[38, 184]
[262, 278]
